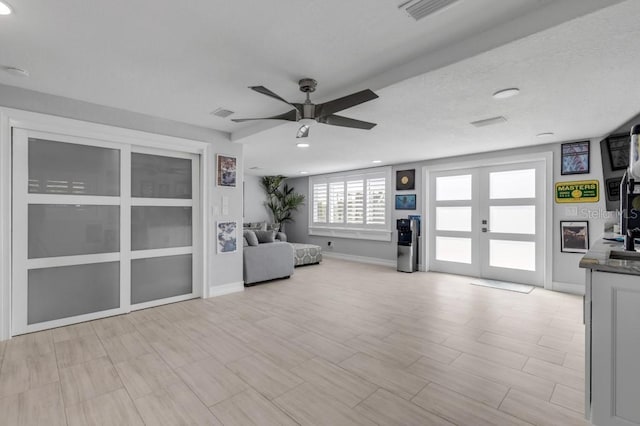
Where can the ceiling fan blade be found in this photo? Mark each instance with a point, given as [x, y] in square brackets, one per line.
[265, 91]
[303, 131]
[338, 120]
[292, 115]
[345, 102]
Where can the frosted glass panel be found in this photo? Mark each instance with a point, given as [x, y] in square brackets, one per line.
[160, 277]
[65, 168]
[512, 254]
[513, 219]
[453, 219]
[453, 188]
[512, 184]
[67, 230]
[155, 176]
[453, 249]
[67, 291]
[155, 227]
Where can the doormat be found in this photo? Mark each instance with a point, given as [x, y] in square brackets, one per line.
[520, 288]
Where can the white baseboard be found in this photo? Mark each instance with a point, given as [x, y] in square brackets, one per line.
[568, 288]
[221, 290]
[361, 259]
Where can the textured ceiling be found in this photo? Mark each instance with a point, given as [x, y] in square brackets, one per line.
[182, 60]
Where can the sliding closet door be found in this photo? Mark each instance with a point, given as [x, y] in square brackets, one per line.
[67, 230]
[99, 230]
[164, 209]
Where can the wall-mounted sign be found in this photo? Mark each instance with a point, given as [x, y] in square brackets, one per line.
[584, 191]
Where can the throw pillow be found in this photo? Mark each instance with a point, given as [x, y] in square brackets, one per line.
[265, 236]
[245, 243]
[281, 236]
[251, 237]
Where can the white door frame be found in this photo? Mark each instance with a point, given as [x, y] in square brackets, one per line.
[10, 118]
[546, 156]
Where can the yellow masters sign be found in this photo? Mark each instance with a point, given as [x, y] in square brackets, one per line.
[584, 191]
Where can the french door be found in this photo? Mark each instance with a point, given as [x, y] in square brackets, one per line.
[100, 229]
[489, 222]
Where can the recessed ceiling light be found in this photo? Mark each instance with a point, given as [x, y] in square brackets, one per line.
[19, 72]
[304, 173]
[5, 9]
[377, 161]
[545, 134]
[506, 93]
[303, 145]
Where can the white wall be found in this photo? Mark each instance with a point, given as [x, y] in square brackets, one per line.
[225, 271]
[254, 198]
[566, 274]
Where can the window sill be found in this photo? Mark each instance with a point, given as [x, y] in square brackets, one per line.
[356, 234]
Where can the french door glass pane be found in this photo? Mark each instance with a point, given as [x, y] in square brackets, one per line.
[66, 168]
[67, 291]
[449, 188]
[512, 184]
[67, 230]
[453, 219]
[452, 249]
[513, 219]
[154, 227]
[512, 254]
[160, 277]
[155, 176]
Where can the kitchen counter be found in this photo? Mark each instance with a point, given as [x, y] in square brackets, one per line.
[599, 258]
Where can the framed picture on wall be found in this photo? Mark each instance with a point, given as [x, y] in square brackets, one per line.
[226, 170]
[406, 202]
[618, 149]
[575, 158]
[227, 237]
[405, 180]
[574, 237]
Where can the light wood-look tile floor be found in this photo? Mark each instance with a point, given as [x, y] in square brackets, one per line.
[339, 343]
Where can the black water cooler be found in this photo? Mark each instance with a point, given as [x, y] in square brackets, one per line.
[407, 245]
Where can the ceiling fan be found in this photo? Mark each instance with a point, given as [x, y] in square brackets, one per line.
[308, 113]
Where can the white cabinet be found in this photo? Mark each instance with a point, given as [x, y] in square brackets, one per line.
[615, 348]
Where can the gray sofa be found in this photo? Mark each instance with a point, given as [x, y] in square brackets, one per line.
[267, 261]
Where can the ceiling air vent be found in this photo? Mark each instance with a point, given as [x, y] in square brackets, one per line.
[221, 112]
[423, 8]
[489, 121]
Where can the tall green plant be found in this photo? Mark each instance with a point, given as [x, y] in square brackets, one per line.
[282, 201]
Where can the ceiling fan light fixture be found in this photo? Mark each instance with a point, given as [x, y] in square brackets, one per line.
[5, 9]
[506, 93]
[307, 121]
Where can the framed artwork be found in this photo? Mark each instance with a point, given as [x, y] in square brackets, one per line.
[574, 237]
[226, 169]
[618, 148]
[227, 237]
[405, 179]
[406, 202]
[575, 158]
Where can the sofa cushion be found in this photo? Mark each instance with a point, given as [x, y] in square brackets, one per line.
[245, 243]
[265, 236]
[251, 237]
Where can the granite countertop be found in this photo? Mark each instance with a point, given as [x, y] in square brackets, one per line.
[598, 259]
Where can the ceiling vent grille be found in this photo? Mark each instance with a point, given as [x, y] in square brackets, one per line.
[221, 112]
[423, 8]
[489, 121]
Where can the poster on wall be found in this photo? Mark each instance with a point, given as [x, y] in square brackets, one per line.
[575, 158]
[406, 202]
[584, 191]
[575, 237]
[226, 167]
[227, 237]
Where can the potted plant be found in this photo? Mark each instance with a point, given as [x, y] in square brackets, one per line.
[282, 201]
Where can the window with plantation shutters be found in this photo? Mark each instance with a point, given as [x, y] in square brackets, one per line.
[320, 202]
[353, 205]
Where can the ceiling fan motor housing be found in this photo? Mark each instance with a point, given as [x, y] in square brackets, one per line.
[307, 85]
